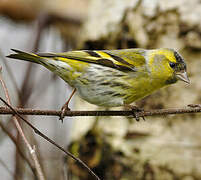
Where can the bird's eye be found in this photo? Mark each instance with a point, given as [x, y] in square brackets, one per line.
[172, 65]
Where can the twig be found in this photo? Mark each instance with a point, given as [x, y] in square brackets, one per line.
[26, 89]
[24, 100]
[4, 110]
[42, 23]
[49, 140]
[31, 150]
[5, 130]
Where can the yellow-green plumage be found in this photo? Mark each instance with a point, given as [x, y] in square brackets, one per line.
[113, 77]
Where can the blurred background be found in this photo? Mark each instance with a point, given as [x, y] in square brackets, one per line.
[161, 148]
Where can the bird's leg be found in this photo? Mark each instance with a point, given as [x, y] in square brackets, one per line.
[135, 111]
[65, 107]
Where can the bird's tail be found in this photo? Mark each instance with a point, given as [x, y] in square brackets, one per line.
[25, 56]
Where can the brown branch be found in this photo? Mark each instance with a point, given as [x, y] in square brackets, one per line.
[7, 132]
[196, 109]
[24, 100]
[15, 120]
[26, 89]
[49, 140]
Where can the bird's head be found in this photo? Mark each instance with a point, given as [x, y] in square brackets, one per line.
[168, 65]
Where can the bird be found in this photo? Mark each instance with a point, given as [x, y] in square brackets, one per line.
[112, 78]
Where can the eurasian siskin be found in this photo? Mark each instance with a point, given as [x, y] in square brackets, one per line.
[113, 77]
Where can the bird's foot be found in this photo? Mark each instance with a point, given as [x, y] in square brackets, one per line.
[136, 110]
[64, 109]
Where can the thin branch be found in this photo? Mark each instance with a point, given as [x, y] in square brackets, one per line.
[49, 140]
[41, 24]
[6, 131]
[41, 27]
[196, 109]
[26, 88]
[31, 150]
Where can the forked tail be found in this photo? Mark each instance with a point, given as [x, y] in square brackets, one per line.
[24, 56]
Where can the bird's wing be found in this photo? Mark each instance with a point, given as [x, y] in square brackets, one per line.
[123, 60]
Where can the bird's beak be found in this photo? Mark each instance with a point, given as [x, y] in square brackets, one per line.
[183, 77]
